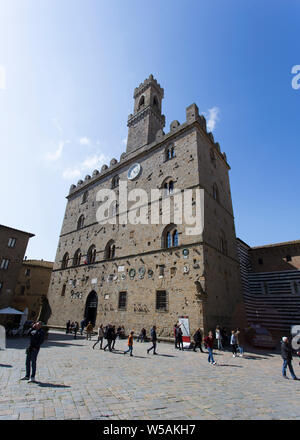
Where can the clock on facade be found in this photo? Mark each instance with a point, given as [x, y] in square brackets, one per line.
[134, 171]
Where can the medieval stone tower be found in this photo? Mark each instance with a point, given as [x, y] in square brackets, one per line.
[138, 275]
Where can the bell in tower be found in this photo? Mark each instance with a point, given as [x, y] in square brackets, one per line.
[147, 118]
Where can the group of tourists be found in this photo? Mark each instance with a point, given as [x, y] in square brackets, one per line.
[72, 327]
[110, 334]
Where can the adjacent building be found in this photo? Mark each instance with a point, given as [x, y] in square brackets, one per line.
[271, 284]
[138, 275]
[13, 244]
[32, 287]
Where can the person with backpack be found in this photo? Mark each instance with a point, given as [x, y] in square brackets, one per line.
[233, 343]
[130, 343]
[153, 339]
[209, 343]
[198, 340]
[100, 337]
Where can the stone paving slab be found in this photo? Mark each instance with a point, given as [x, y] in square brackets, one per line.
[76, 382]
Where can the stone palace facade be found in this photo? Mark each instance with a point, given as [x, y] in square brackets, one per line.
[138, 275]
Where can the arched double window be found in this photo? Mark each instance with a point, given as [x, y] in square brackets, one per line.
[77, 258]
[65, 260]
[110, 250]
[80, 222]
[170, 237]
[215, 192]
[168, 187]
[91, 254]
[169, 153]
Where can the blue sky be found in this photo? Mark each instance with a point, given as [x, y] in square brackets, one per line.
[68, 69]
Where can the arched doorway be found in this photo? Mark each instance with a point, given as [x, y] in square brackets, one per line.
[91, 305]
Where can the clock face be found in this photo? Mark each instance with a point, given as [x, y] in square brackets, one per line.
[134, 171]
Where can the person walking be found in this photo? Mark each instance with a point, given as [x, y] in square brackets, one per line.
[130, 343]
[114, 336]
[109, 336]
[100, 337]
[68, 327]
[142, 335]
[89, 331]
[240, 341]
[37, 337]
[176, 335]
[153, 339]
[82, 325]
[198, 340]
[75, 329]
[219, 338]
[233, 343]
[179, 339]
[209, 342]
[287, 356]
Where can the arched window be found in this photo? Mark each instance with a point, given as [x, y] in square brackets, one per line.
[80, 222]
[110, 250]
[170, 236]
[65, 261]
[91, 255]
[84, 196]
[155, 102]
[168, 186]
[77, 258]
[169, 153]
[115, 182]
[141, 102]
[215, 192]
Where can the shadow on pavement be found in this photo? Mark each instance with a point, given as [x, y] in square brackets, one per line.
[6, 365]
[51, 385]
[166, 355]
[229, 365]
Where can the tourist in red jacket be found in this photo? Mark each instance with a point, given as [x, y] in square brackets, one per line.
[209, 342]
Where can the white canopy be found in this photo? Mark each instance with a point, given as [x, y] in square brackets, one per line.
[10, 311]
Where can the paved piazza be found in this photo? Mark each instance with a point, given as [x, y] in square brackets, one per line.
[77, 382]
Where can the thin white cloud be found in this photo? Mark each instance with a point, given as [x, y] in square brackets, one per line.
[2, 78]
[71, 173]
[124, 141]
[213, 118]
[57, 154]
[85, 141]
[88, 165]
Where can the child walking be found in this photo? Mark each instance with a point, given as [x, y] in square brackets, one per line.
[130, 343]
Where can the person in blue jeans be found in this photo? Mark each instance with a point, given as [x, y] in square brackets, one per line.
[287, 356]
[37, 337]
[209, 342]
